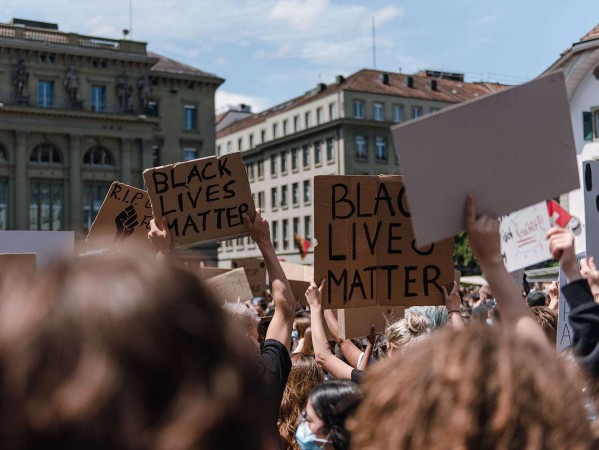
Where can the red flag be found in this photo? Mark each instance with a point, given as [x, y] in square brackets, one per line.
[303, 245]
[562, 218]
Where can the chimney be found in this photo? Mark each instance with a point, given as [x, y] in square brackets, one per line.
[320, 87]
[434, 85]
[410, 81]
[384, 77]
[340, 79]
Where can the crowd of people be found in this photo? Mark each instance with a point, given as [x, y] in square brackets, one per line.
[125, 351]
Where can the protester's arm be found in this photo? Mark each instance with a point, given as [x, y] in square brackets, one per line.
[589, 271]
[282, 321]
[453, 303]
[300, 346]
[349, 350]
[160, 238]
[483, 235]
[322, 352]
[554, 296]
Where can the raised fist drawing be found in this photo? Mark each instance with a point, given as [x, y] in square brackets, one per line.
[125, 223]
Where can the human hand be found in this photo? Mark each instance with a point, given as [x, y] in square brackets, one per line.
[371, 338]
[452, 300]
[589, 271]
[314, 295]
[160, 236]
[561, 245]
[259, 229]
[483, 235]
[125, 223]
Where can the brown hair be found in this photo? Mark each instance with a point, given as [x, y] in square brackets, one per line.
[478, 388]
[308, 344]
[547, 318]
[301, 325]
[119, 352]
[305, 374]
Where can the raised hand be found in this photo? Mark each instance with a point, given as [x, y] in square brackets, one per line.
[259, 229]
[125, 223]
[483, 235]
[160, 236]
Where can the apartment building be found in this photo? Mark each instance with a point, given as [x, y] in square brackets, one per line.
[338, 129]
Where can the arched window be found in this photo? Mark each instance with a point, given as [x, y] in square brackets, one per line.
[3, 154]
[45, 154]
[98, 156]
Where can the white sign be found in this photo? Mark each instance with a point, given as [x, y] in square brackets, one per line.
[523, 241]
[48, 245]
[509, 150]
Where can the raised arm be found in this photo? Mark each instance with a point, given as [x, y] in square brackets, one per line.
[160, 238]
[282, 322]
[322, 352]
[349, 350]
[483, 235]
[453, 303]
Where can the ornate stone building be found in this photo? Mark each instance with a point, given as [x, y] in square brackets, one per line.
[77, 112]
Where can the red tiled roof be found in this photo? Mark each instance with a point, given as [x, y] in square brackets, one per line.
[367, 80]
[593, 34]
[168, 65]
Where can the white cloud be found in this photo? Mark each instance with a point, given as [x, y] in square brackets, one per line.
[302, 15]
[224, 99]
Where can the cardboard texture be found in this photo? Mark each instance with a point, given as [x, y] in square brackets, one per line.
[366, 249]
[356, 323]
[231, 285]
[591, 206]
[23, 263]
[47, 245]
[523, 241]
[565, 335]
[255, 270]
[510, 150]
[299, 277]
[203, 200]
[206, 272]
[123, 219]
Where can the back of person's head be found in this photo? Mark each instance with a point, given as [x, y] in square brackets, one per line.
[400, 333]
[547, 318]
[536, 298]
[480, 313]
[485, 292]
[305, 374]
[479, 388]
[241, 316]
[301, 324]
[121, 353]
[308, 344]
[334, 402]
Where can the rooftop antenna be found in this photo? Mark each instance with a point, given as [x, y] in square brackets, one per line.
[373, 46]
[130, 19]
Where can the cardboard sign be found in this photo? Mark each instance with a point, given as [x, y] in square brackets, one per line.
[203, 200]
[523, 241]
[23, 263]
[509, 150]
[565, 334]
[124, 217]
[591, 206]
[366, 249]
[231, 286]
[255, 270]
[299, 277]
[47, 245]
[206, 272]
[356, 323]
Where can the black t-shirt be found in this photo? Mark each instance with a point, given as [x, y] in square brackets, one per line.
[274, 365]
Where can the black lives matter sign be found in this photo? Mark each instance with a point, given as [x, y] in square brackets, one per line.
[366, 248]
[203, 199]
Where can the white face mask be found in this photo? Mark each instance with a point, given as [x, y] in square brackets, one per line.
[306, 440]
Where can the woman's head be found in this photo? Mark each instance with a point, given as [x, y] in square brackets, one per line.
[301, 324]
[400, 333]
[329, 406]
[480, 388]
[121, 353]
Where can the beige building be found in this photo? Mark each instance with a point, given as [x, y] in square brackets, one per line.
[342, 128]
[77, 112]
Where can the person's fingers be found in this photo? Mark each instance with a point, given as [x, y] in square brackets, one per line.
[455, 288]
[321, 287]
[312, 284]
[584, 266]
[553, 231]
[592, 265]
[246, 219]
[444, 291]
[258, 215]
[372, 330]
[164, 223]
[470, 211]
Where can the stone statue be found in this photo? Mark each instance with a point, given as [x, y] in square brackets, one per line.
[145, 91]
[124, 91]
[71, 83]
[21, 80]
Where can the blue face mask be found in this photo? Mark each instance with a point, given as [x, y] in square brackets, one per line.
[306, 439]
[294, 335]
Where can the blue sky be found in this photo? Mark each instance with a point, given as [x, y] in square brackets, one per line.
[272, 50]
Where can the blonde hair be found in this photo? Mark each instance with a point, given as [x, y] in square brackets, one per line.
[400, 333]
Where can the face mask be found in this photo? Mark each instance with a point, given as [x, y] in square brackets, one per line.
[294, 335]
[306, 439]
[490, 322]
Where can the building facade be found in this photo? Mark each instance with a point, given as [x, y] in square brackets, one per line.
[343, 128]
[78, 112]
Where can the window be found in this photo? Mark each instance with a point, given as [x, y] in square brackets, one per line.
[284, 196]
[317, 154]
[587, 125]
[190, 117]
[295, 124]
[361, 148]
[306, 156]
[93, 196]
[261, 199]
[307, 119]
[274, 130]
[596, 113]
[45, 94]
[319, 116]
[260, 170]
[229, 147]
[332, 111]
[285, 127]
[251, 141]
[98, 98]
[45, 205]
[275, 234]
[284, 162]
[229, 245]
[240, 144]
[307, 227]
[378, 111]
[239, 242]
[98, 156]
[307, 192]
[381, 149]
[273, 198]
[190, 153]
[45, 154]
[294, 158]
[295, 193]
[434, 110]
[330, 150]
[285, 233]
[273, 165]
[3, 204]
[263, 136]
[416, 111]
[358, 109]
[296, 226]
[155, 155]
[3, 155]
[250, 170]
[398, 115]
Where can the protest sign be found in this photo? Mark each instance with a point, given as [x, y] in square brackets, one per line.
[523, 241]
[123, 218]
[255, 270]
[206, 272]
[203, 200]
[299, 277]
[591, 207]
[356, 323]
[509, 150]
[565, 335]
[366, 250]
[21, 263]
[47, 245]
[231, 286]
